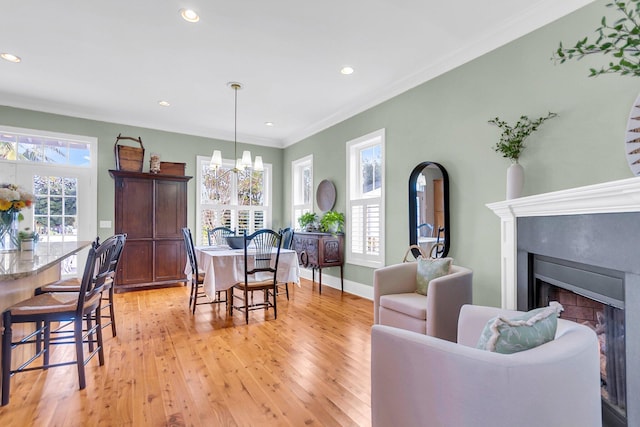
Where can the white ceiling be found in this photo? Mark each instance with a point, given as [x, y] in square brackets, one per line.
[114, 60]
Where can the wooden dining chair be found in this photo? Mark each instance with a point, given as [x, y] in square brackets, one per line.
[64, 307]
[197, 276]
[437, 251]
[287, 243]
[73, 284]
[261, 256]
[218, 235]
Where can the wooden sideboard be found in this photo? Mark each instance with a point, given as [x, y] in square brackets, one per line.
[152, 210]
[320, 250]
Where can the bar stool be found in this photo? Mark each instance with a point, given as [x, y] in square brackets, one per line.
[73, 284]
[76, 308]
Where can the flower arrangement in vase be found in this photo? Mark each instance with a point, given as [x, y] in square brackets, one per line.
[12, 200]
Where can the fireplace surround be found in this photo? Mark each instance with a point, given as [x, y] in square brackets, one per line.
[596, 226]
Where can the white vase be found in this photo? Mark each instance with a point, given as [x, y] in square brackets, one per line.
[515, 181]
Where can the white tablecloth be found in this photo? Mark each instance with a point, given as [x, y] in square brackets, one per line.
[224, 267]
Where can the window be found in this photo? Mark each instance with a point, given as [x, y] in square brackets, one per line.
[61, 171]
[239, 201]
[32, 148]
[302, 187]
[365, 210]
[55, 214]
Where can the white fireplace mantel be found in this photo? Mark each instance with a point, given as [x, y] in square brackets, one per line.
[608, 197]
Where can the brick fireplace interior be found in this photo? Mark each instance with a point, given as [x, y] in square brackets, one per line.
[594, 299]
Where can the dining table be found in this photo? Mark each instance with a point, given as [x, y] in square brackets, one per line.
[224, 267]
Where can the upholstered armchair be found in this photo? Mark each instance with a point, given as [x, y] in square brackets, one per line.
[395, 302]
[418, 380]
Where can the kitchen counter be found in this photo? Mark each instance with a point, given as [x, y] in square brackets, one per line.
[21, 264]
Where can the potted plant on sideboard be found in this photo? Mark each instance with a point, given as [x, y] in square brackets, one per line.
[308, 221]
[332, 222]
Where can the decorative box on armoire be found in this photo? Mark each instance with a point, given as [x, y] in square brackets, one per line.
[152, 210]
[319, 250]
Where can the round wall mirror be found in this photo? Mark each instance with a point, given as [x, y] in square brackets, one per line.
[429, 209]
[326, 195]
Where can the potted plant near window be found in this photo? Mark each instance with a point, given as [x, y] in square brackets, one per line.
[332, 222]
[511, 145]
[308, 221]
[28, 239]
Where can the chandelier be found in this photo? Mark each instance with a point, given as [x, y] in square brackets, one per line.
[243, 162]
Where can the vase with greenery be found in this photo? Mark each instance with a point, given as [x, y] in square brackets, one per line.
[28, 239]
[511, 145]
[332, 222]
[307, 221]
[620, 40]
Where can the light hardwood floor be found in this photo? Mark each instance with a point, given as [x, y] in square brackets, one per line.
[167, 367]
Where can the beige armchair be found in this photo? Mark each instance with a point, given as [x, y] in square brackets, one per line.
[395, 302]
[418, 380]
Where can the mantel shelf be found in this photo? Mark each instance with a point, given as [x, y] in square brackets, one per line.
[608, 197]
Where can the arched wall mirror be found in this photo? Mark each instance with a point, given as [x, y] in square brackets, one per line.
[429, 209]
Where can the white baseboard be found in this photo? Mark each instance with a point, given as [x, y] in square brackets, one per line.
[355, 288]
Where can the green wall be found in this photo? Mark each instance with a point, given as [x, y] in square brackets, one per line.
[445, 120]
[171, 147]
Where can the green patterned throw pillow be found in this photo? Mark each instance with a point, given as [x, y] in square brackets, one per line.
[523, 332]
[429, 269]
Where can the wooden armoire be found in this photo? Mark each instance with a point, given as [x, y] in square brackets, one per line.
[152, 210]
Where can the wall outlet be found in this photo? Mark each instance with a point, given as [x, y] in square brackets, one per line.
[105, 224]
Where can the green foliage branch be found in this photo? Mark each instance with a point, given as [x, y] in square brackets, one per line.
[512, 138]
[620, 39]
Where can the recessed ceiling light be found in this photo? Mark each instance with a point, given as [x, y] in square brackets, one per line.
[347, 70]
[268, 123]
[10, 57]
[164, 103]
[189, 15]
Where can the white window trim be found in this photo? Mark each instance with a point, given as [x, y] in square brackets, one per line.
[351, 147]
[296, 165]
[203, 160]
[89, 224]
